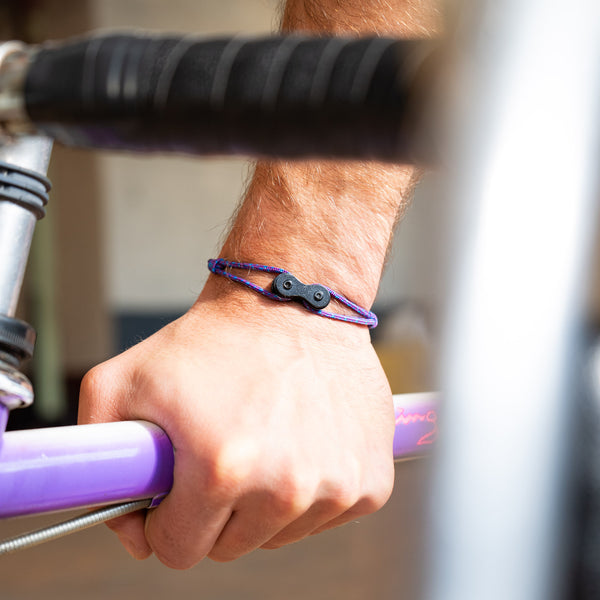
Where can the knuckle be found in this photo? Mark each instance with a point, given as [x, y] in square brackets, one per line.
[232, 465]
[292, 496]
[92, 382]
[95, 401]
[342, 496]
[377, 495]
[371, 503]
[344, 488]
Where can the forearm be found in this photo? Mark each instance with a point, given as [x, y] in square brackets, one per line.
[328, 223]
[403, 18]
[331, 222]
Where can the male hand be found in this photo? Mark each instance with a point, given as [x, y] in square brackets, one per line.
[281, 422]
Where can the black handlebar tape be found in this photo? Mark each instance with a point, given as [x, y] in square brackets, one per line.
[288, 97]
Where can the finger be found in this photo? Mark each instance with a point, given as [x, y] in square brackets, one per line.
[365, 507]
[315, 523]
[335, 495]
[181, 541]
[339, 503]
[260, 517]
[130, 530]
[185, 526]
[322, 512]
[344, 519]
[241, 535]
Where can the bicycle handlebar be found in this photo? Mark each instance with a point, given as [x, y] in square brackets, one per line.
[286, 97]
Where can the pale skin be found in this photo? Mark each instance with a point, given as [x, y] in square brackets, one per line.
[281, 420]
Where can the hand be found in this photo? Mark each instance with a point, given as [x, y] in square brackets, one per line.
[281, 421]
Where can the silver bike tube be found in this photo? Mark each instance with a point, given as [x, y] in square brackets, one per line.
[20, 199]
[17, 221]
[23, 194]
[527, 155]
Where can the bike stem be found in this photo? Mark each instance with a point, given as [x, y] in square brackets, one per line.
[23, 194]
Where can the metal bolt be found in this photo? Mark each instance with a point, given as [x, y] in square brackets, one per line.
[287, 285]
[319, 296]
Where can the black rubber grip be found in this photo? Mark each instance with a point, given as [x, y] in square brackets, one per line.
[289, 97]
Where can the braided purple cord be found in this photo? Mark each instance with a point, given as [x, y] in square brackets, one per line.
[219, 266]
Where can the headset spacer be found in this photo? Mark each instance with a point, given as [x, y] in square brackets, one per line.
[24, 187]
[17, 338]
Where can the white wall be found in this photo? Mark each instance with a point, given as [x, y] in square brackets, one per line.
[416, 267]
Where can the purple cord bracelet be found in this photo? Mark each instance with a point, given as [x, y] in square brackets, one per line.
[285, 287]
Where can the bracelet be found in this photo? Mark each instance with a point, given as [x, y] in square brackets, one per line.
[285, 287]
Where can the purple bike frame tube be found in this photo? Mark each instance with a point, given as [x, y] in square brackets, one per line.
[416, 424]
[61, 468]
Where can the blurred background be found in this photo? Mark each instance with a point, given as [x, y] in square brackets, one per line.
[122, 251]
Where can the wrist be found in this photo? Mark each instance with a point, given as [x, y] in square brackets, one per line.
[285, 287]
[325, 270]
[234, 303]
[326, 223]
